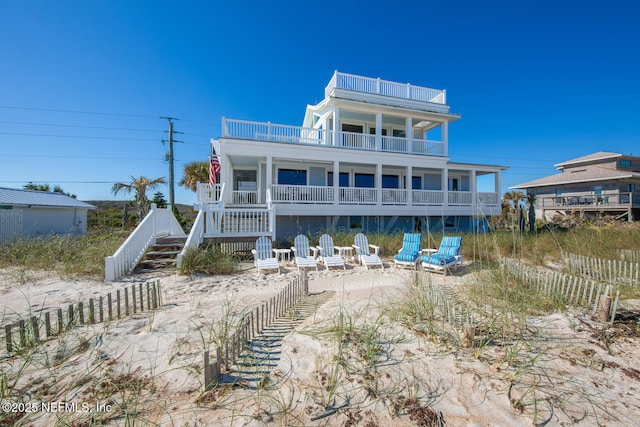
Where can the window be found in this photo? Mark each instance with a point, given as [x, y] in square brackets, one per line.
[344, 179]
[245, 180]
[364, 180]
[597, 189]
[372, 131]
[351, 128]
[355, 222]
[631, 188]
[416, 183]
[390, 181]
[559, 192]
[625, 163]
[292, 177]
[399, 133]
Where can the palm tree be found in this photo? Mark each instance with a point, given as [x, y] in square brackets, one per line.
[140, 186]
[531, 202]
[512, 200]
[37, 187]
[194, 172]
[47, 188]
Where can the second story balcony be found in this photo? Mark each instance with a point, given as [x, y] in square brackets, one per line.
[329, 195]
[269, 132]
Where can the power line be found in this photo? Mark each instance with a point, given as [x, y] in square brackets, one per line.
[77, 126]
[75, 136]
[12, 107]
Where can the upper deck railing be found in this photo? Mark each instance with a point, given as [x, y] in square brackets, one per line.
[307, 136]
[386, 88]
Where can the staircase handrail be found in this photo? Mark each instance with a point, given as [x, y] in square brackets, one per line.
[124, 260]
[195, 239]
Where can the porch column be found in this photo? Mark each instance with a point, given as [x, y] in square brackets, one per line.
[474, 189]
[336, 182]
[445, 187]
[269, 175]
[445, 138]
[498, 183]
[336, 128]
[409, 185]
[378, 183]
[408, 133]
[378, 131]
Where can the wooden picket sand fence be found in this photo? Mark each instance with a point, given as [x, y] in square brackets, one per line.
[576, 290]
[624, 270]
[252, 324]
[113, 306]
[629, 255]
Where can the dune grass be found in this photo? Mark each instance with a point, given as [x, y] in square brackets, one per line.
[207, 259]
[66, 256]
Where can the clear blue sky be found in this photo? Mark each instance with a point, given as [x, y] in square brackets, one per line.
[83, 83]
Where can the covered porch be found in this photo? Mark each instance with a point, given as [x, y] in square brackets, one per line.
[342, 183]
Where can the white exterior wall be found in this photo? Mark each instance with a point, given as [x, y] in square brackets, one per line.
[43, 221]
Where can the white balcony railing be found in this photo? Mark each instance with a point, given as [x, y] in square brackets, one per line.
[245, 197]
[394, 144]
[428, 197]
[386, 88]
[301, 194]
[207, 195]
[358, 196]
[239, 222]
[306, 136]
[487, 199]
[459, 198]
[392, 196]
[313, 194]
[586, 200]
[426, 147]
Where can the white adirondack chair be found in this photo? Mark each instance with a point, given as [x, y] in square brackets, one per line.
[263, 255]
[363, 252]
[328, 253]
[302, 252]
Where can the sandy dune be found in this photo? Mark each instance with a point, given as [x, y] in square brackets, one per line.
[348, 361]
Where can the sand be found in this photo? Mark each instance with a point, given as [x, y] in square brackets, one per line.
[376, 370]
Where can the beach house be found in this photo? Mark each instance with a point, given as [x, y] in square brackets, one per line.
[28, 213]
[373, 155]
[601, 183]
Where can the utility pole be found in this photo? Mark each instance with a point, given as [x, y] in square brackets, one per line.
[171, 175]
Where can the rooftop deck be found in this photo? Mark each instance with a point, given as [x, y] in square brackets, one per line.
[386, 88]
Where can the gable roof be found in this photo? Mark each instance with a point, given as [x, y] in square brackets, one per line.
[18, 197]
[590, 174]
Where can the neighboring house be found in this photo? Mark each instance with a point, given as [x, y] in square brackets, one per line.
[28, 213]
[372, 156]
[599, 183]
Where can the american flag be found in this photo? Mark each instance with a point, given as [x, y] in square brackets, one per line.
[214, 167]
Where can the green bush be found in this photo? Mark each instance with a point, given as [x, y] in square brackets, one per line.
[207, 260]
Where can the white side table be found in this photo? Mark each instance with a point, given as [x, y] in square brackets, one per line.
[282, 253]
[345, 251]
